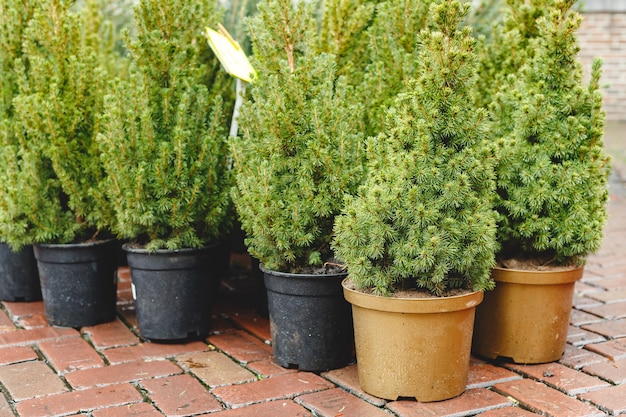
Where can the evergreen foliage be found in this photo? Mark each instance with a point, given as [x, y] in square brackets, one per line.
[300, 147]
[164, 139]
[343, 32]
[51, 176]
[552, 174]
[505, 46]
[425, 211]
[392, 56]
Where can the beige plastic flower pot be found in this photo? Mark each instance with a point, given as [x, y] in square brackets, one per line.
[525, 319]
[412, 347]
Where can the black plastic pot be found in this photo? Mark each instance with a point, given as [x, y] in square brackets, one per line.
[78, 282]
[19, 279]
[173, 291]
[310, 321]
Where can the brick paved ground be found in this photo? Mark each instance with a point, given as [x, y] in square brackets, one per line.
[108, 371]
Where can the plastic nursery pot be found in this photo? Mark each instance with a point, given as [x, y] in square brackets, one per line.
[310, 321]
[526, 317]
[173, 291]
[19, 279]
[78, 282]
[413, 347]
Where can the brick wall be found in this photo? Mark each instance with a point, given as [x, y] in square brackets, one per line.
[603, 35]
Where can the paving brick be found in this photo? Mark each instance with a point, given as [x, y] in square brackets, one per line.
[19, 310]
[221, 324]
[27, 315]
[578, 336]
[180, 395]
[507, 412]
[115, 374]
[613, 371]
[267, 368]
[585, 285]
[561, 377]
[612, 349]
[348, 378]
[337, 402]
[6, 324]
[578, 318]
[30, 379]
[148, 350]
[16, 354]
[5, 408]
[255, 324]
[111, 334]
[281, 408]
[613, 329]
[614, 279]
[471, 402]
[539, 398]
[128, 410]
[241, 346]
[30, 336]
[483, 375]
[611, 311]
[129, 315]
[611, 400]
[580, 301]
[278, 387]
[577, 357]
[77, 401]
[609, 296]
[215, 369]
[123, 274]
[71, 354]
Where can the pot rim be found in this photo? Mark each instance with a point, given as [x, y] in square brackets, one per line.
[411, 305]
[297, 275]
[532, 277]
[131, 248]
[74, 245]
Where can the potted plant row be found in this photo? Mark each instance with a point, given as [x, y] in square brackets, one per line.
[52, 195]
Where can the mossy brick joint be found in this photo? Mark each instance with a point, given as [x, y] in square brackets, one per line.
[50, 170]
[424, 216]
[552, 171]
[164, 139]
[299, 152]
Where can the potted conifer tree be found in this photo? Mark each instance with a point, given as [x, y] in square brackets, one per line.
[19, 280]
[299, 153]
[551, 193]
[55, 198]
[419, 239]
[165, 153]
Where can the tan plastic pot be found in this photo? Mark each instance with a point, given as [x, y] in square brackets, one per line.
[413, 347]
[525, 319]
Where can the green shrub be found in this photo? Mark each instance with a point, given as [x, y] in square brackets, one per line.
[51, 176]
[300, 149]
[425, 213]
[552, 171]
[164, 131]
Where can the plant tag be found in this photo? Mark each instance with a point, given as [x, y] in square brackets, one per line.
[230, 54]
